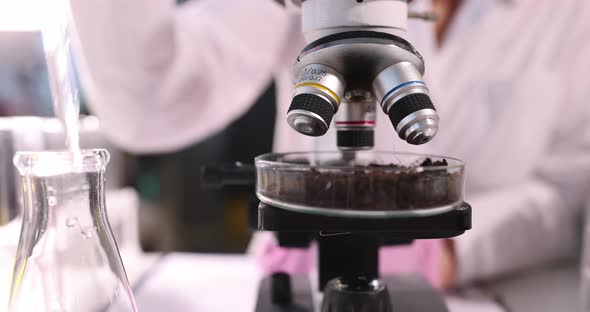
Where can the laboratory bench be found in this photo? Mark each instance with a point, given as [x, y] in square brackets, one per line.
[179, 282]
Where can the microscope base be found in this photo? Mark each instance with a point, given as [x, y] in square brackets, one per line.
[408, 293]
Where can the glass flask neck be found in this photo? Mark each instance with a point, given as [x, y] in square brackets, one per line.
[51, 163]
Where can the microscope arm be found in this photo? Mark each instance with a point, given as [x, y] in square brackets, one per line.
[322, 18]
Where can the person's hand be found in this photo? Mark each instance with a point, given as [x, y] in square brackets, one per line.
[448, 264]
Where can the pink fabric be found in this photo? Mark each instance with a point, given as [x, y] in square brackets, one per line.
[421, 257]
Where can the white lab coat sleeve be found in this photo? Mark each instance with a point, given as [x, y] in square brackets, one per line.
[536, 222]
[161, 77]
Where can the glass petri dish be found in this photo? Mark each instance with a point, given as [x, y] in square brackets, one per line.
[360, 184]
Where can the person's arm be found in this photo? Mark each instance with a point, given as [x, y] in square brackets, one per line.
[161, 77]
[537, 222]
[514, 229]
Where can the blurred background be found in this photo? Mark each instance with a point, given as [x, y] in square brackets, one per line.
[174, 211]
[176, 214]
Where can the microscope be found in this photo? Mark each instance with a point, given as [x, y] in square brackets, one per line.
[357, 60]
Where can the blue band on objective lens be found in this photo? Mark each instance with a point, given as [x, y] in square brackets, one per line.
[401, 86]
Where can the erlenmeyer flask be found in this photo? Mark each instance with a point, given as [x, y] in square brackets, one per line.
[67, 258]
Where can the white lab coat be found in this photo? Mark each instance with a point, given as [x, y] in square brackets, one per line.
[510, 83]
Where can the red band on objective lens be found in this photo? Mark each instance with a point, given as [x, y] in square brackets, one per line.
[355, 123]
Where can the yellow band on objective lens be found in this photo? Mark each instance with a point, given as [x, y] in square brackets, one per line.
[319, 86]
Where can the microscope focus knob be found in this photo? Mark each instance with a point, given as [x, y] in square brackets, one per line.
[414, 118]
[310, 114]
